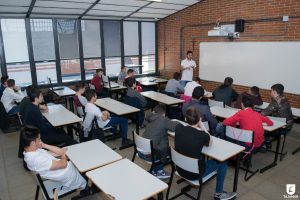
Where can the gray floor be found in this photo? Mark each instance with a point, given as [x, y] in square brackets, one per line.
[16, 183]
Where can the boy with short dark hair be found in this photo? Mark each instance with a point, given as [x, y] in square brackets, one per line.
[11, 94]
[280, 105]
[131, 92]
[157, 127]
[225, 92]
[251, 120]
[104, 119]
[189, 141]
[253, 92]
[173, 86]
[97, 81]
[39, 158]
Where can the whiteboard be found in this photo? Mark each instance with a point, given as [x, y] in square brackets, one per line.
[252, 63]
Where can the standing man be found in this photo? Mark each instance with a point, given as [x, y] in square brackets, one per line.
[187, 67]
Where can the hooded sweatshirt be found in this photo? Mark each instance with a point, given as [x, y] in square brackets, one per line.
[157, 127]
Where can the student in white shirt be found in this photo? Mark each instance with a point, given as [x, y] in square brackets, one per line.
[10, 95]
[104, 119]
[190, 86]
[40, 158]
[187, 67]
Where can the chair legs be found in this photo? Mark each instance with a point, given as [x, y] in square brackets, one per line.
[37, 192]
[184, 190]
[296, 150]
[282, 155]
[247, 169]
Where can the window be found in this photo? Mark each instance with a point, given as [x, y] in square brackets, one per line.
[112, 44]
[91, 42]
[43, 50]
[68, 48]
[148, 47]
[131, 43]
[16, 52]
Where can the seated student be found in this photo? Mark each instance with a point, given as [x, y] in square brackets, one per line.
[173, 86]
[157, 127]
[11, 94]
[39, 158]
[26, 101]
[189, 141]
[97, 81]
[3, 85]
[225, 92]
[104, 119]
[205, 113]
[122, 75]
[253, 92]
[131, 74]
[34, 117]
[279, 106]
[190, 86]
[131, 92]
[79, 100]
[249, 119]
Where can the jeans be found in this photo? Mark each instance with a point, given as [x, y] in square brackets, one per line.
[14, 110]
[147, 157]
[123, 125]
[212, 165]
[183, 82]
[220, 131]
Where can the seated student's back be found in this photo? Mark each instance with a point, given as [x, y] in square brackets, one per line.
[173, 86]
[225, 92]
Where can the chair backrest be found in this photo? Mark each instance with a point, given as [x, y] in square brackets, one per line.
[91, 86]
[241, 135]
[215, 103]
[280, 119]
[142, 144]
[184, 162]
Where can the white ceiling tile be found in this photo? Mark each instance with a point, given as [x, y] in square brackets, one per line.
[62, 4]
[57, 10]
[53, 16]
[15, 2]
[183, 2]
[167, 6]
[114, 7]
[13, 9]
[109, 13]
[12, 15]
[147, 15]
[102, 17]
[141, 19]
[157, 11]
[125, 2]
[85, 1]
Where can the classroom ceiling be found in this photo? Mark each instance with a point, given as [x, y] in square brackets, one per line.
[148, 10]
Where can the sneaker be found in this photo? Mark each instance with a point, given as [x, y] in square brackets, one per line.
[161, 174]
[126, 142]
[225, 196]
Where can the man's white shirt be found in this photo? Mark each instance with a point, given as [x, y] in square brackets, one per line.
[187, 75]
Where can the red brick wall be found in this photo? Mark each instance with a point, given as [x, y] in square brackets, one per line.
[207, 12]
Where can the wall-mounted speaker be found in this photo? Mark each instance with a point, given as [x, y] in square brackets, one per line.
[240, 25]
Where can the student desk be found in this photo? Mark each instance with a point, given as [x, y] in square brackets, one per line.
[151, 81]
[162, 98]
[208, 95]
[221, 150]
[59, 116]
[65, 93]
[227, 112]
[125, 180]
[91, 155]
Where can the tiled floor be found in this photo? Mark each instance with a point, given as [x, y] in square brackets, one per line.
[16, 183]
